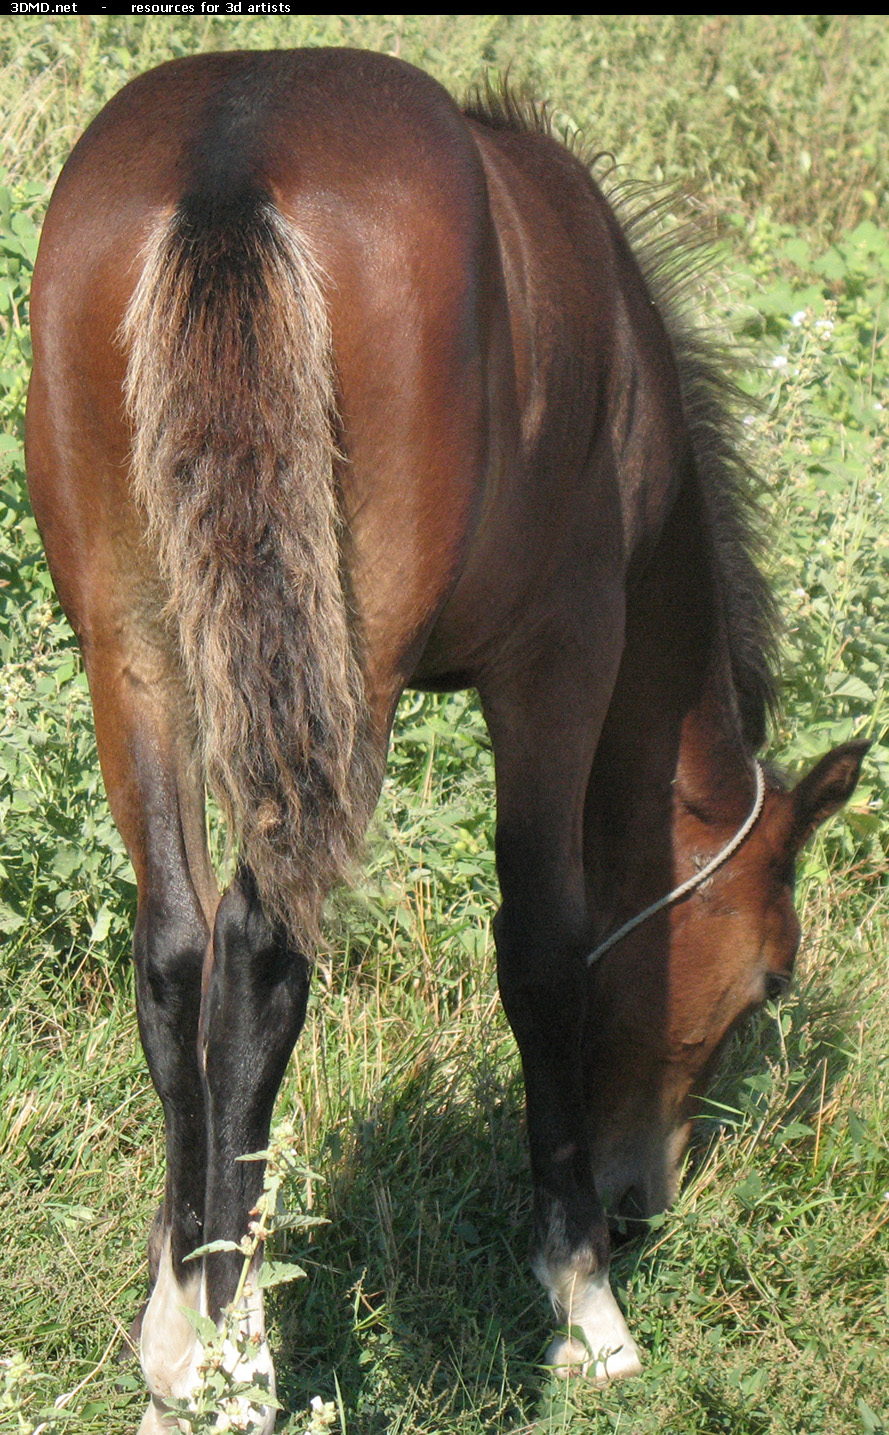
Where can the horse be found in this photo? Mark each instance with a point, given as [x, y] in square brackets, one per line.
[341, 389]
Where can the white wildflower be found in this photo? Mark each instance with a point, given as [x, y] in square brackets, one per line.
[323, 1415]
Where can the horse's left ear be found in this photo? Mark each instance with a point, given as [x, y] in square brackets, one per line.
[824, 790]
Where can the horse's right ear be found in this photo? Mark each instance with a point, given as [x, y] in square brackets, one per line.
[825, 789]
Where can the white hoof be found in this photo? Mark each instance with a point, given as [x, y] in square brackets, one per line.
[249, 1369]
[570, 1357]
[156, 1421]
[173, 1357]
[599, 1344]
[235, 1415]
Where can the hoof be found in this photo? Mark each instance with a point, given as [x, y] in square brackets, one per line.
[598, 1344]
[570, 1357]
[156, 1421]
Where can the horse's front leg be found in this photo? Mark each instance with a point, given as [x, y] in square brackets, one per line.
[544, 734]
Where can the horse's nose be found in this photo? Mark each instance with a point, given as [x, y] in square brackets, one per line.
[777, 984]
[627, 1217]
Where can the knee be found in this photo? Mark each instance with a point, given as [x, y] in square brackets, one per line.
[541, 968]
[543, 915]
[542, 943]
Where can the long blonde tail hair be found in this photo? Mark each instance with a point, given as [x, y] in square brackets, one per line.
[231, 395]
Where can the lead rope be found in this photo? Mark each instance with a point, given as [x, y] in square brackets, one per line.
[692, 882]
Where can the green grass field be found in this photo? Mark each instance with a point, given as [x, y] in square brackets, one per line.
[762, 1299]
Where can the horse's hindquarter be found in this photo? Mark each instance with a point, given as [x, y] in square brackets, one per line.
[372, 164]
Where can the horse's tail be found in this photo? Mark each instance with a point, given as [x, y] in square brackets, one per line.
[231, 395]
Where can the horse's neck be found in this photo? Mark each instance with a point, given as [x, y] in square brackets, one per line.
[671, 762]
[670, 777]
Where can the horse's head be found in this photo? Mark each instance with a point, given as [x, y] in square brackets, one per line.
[666, 996]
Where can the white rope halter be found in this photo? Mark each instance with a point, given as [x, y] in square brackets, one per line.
[693, 882]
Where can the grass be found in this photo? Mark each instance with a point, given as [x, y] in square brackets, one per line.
[762, 1299]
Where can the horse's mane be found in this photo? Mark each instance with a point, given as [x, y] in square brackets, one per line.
[672, 256]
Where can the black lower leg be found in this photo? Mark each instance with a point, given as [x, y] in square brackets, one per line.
[253, 1010]
[544, 995]
[169, 946]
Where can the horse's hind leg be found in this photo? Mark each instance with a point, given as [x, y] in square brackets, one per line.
[217, 1019]
[544, 726]
[254, 1007]
[155, 789]
[256, 986]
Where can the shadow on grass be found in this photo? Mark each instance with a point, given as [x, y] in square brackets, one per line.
[420, 1298]
[419, 1295]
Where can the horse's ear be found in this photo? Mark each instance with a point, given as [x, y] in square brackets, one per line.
[824, 790]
